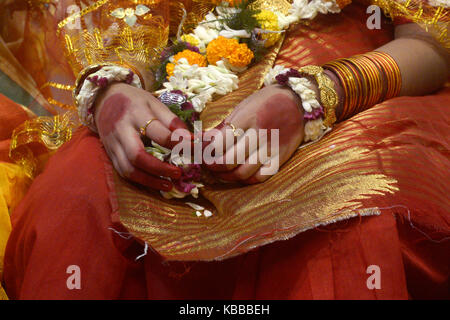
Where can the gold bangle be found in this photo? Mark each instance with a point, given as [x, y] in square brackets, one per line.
[328, 95]
[394, 77]
[348, 82]
[342, 79]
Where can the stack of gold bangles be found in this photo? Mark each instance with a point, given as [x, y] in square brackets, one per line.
[364, 78]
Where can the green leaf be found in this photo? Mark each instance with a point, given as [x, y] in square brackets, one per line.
[184, 115]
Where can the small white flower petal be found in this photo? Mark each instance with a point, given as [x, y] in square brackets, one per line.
[118, 13]
[195, 206]
[130, 20]
[129, 12]
[207, 213]
[141, 10]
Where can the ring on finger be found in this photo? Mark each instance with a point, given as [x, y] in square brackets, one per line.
[143, 129]
[233, 128]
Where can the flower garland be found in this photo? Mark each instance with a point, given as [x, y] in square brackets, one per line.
[207, 61]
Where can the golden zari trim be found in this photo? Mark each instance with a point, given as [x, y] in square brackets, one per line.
[50, 132]
[59, 86]
[433, 19]
[200, 8]
[80, 14]
[328, 95]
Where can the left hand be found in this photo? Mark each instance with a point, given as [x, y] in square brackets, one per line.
[273, 107]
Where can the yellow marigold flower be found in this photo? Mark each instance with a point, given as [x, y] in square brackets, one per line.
[190, 39]
[269, 21]
[170, 68]
[241, 57]
[192, 58]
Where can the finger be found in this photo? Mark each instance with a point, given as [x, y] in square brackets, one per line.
[152, 165]
[138, 157]
[157, 132]
[244, 171]
[112, 158]
[238, 153]
[117, 166]
[216, 141]
[123, 162]
[167, 117]
[134, 174]
[147, 180]
[265, 172]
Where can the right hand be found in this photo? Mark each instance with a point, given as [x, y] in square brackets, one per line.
[120, 111]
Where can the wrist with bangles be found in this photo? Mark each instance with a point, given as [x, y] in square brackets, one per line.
[318, 110]
[92, 80]
[346, 87]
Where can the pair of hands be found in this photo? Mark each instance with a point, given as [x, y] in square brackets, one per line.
[122, 109]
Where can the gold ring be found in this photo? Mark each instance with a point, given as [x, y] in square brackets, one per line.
[233, 127]
[143, 129]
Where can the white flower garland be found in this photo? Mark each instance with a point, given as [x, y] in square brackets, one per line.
[89, 90]
[201, 83]
[304, 88]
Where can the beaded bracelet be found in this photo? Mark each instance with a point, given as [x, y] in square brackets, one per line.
[88, 88]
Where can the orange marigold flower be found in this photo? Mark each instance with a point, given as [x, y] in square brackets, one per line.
[192, 58]
[220, 48]
[241, 57]
[238, 55]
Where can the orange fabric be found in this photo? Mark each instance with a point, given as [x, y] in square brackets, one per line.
[65, 218]
[11, 116]
[407, 241]
[304, 198]
[13, 182]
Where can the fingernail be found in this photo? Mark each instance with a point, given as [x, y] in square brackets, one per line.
[177, 123]
[176, 173]
[167, 186]
[251, 180]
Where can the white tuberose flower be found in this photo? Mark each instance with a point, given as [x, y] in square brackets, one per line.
[231, 33]
[208, 29]
[129, 14]
[314, 129]
[302, 9]
[270, 76]
[201, 83]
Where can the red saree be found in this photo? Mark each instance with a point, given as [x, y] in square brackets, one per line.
[66, 218]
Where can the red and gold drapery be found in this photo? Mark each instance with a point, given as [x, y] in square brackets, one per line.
[303, 189]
